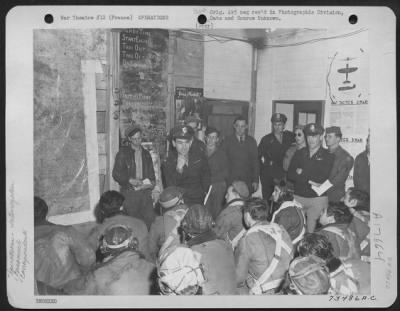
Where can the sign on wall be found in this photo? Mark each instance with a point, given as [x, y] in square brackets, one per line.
[348, 91]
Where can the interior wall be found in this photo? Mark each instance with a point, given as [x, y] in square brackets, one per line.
[227, 69]
[289, 73]
[188, 61]
[305, 72]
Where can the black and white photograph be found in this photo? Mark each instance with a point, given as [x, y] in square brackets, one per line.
[201, 151]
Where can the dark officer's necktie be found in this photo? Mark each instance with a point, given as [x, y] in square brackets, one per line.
[241, 139]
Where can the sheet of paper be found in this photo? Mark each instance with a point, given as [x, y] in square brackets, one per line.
[325, 186]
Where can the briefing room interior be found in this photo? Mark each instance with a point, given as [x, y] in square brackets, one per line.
[95, 89]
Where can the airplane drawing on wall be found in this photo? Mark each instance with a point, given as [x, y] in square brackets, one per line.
[346, 71]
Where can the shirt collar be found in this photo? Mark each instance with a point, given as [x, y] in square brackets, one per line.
[238, 137]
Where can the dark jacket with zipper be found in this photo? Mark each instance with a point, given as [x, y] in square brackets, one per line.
[125, 167]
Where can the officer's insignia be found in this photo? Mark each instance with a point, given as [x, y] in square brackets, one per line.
[184, 130]
[312, 127]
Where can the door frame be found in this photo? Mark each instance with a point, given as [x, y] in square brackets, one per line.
[294, 102]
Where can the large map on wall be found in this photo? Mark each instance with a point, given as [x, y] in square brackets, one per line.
[144, 78]
[60, 163]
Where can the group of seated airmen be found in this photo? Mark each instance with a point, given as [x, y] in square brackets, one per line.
[251, 248]
[212, 235]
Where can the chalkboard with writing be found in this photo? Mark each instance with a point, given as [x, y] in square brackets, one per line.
[143, 80]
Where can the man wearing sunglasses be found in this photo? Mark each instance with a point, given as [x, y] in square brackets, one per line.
[271, 151]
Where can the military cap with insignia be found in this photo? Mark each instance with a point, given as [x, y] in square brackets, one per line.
[183, 132]
[278, 117]
[312, 129]
[334, 129]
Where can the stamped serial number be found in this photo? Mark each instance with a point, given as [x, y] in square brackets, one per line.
[351, 298]
[45, 300]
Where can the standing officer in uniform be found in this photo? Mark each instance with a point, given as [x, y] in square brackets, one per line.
[271, 151]
[241, 150]
[342, 164]
[311, 165]
[187, 168]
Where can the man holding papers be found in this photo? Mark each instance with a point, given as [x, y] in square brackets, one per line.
[134, 171]
[311, 166]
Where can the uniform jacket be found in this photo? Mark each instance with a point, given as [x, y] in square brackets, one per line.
[243, 161]
[126, 274]
[161, 228]
[360, 226]
[291, 217]
[253, 256]
[61, 254]
[230, 221]
[198, 145]
[352, 277]
[218, 264]
[195, 178]
[361, 174]
[342, 165]
[125, 167]
[271, 153]
[218, 163]
[317, 169]
[344, 244]
[138, 227]
[288, 156]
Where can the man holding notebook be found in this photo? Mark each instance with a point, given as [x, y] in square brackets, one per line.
[310, 167]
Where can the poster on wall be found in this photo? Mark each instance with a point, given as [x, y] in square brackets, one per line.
[111, 270]
[188, 102]
[348, 90]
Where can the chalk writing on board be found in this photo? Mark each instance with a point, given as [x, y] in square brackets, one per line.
[144, 76]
